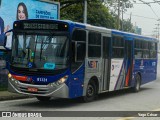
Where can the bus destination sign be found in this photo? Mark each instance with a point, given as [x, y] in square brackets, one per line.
[40, 26]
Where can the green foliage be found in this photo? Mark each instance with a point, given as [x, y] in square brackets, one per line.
[128, 26]
[100, 12]
[97, 13]
[73, 12]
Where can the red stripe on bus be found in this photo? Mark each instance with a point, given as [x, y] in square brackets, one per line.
[21, 78]
[127, 77]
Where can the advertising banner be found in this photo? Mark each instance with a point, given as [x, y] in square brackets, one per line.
[12, 10]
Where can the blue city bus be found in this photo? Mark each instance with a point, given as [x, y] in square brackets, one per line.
[65, 59]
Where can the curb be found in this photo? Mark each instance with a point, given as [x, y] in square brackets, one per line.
[5, 95]
[13, 97]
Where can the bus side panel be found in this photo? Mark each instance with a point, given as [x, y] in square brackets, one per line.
[76, 83]
[117, 77]
[93, 72]
[150, 71]
[77, 78]
[146, 69]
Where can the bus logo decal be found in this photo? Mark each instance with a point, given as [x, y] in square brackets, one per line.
[153, 63]
[92, 64]
[29, 79]
[30, 65]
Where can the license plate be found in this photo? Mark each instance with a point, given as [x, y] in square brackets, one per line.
[32, 89]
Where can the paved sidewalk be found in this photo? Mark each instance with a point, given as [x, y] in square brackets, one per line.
[5, 95]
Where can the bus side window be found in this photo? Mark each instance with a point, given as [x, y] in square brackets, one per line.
[138, 54]
[153, 50]
[94, 44]
[118, 47]
[78, 49]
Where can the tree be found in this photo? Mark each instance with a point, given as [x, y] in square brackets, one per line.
[66, 3]
[128, 26]
[113, 5]
[98, 14]
[118, 8]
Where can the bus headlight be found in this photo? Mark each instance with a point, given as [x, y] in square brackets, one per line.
[10, 77]
[62, 80]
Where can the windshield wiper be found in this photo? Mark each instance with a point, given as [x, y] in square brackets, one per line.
[48, 39]
[41, 50]
[43, 45]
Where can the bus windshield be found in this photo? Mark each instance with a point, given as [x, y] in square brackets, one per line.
[40, 51]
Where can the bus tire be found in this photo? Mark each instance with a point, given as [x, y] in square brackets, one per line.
[91, 92]
[43, 98]
[136, 88]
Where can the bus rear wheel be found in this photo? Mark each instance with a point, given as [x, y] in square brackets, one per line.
[91, 92]
[136, 88]
[43, 98]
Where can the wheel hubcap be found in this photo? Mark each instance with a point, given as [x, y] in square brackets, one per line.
[138, 83]
[90, 90]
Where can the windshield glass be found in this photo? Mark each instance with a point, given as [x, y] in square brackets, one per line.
[40, 51]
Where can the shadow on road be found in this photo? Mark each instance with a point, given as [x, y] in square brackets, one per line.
[120, 93]
[67, 103]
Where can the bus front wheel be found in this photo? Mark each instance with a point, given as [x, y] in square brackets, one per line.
[43, 98]
[136, 88]
[91, 92]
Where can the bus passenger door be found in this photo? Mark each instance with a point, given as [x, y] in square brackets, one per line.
[128, 61]
[106, 50]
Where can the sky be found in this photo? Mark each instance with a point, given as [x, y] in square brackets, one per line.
[145, 17]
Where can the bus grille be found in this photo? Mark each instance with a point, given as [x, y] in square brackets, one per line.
[40, 91]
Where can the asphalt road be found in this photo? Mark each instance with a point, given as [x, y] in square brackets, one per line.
[148, 99]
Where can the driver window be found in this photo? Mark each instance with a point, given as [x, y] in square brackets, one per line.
[78, 49]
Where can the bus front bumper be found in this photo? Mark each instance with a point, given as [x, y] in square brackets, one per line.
[58, 91]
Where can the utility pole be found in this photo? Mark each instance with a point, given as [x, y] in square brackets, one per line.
[158, 34]
[155, 33]
[157, 30]
[122, 15]
[118, 21]
[85, 12]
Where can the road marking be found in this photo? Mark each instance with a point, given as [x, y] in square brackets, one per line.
[156, 109]
[126, 118]
[129, 118]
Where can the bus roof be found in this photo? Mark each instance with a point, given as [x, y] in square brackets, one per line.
[101, 29]
[113, 31]
[133, 35]
[91, 27]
